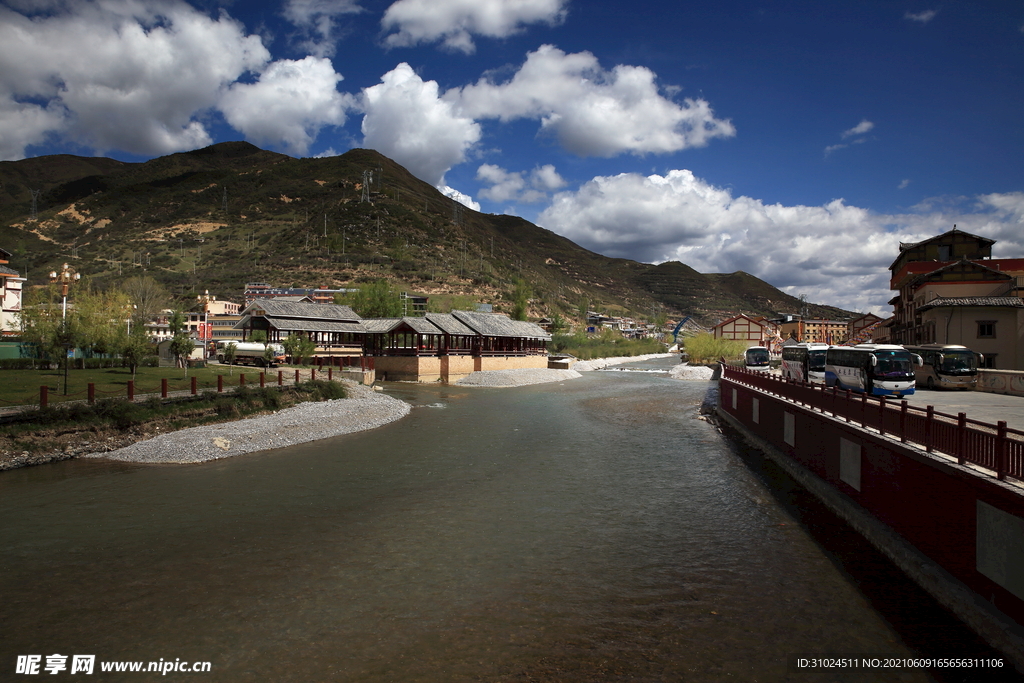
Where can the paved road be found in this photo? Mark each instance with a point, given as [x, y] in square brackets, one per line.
[979, 405]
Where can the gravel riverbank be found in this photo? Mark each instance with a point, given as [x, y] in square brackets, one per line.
[364, 409]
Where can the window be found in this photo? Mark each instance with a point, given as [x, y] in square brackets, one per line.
[990, 361]
[986, 329]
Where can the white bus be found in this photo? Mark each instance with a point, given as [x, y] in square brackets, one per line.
[757, 358]
[804, 362]
[947, 366]
[877, 369]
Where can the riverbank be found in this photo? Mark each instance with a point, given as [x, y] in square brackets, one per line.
[363, 409]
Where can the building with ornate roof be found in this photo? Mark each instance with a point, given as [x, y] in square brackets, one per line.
[10, 290]
[951, 291]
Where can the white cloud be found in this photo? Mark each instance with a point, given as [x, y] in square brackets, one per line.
[835, 254]
[455, 22]
[512, 186]
[923, 17]
[863, 127]
[316, 19]
[407, 121]
[904, 184]
[289, 104]
[594, 112]
[152, 67]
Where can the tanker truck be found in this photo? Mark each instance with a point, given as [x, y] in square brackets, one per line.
[251, 353]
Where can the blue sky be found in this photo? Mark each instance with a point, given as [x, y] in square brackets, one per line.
[797, 141]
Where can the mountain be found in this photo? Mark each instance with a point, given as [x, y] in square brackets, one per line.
[216, 218]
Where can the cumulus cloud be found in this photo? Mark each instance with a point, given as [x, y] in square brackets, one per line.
[513, 186]
[921, 17]
[461, 198]
[836, 254]
[455, 22]
[593, 111]
[317, 22]
[407, 120]
[152, 67]
[289, 104]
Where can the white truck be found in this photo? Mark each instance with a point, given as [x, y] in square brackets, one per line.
[251, 353]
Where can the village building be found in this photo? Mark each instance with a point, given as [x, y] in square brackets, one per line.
[860, 330]
[751, 331]
[336, 330]
[951, 291]
[10, 290]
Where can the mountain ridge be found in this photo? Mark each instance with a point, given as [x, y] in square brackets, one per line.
[218, 217]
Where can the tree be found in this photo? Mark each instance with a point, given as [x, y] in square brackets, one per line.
[181, 343]
[258, 337]
[135, 348]
[148, 297]
[229, 356]
[374, 300]
[520, 297]
[298, 347]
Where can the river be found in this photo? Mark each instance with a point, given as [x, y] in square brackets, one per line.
[586, 530]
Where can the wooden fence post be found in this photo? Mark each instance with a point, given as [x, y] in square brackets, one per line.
[961, 438]
[262, 379]
[929, 419]
[131, 390]
[1002, 451]
[903, 421]
[280, 378]
[220, 383]
[195, 386]
[881, 415]
[163, 388]
[92, 393]
[44, 396]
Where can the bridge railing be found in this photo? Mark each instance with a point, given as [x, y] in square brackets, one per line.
[994, 447]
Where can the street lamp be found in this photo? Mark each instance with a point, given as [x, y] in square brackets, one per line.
[66, 276]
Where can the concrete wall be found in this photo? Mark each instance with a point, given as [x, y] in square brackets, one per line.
[447, 368]
[956, 532]
[1001, 381]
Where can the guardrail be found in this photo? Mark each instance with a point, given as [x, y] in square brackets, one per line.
[994, 447]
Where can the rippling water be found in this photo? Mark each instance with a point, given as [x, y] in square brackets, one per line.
[581, 531]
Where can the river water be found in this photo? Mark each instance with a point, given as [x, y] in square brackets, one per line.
[588, 530]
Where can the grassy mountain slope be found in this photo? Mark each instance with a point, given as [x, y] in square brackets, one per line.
[216, 218]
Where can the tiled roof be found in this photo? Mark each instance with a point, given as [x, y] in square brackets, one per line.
[449, 324]
[1004, 301]
[291, 309]
[496, 325]
[8, 271]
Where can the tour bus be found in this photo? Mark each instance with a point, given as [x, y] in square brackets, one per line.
[804, 362]
[878, 369]
[947, 366]
[757, 358]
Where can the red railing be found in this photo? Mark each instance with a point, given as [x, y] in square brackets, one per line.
[994, 447]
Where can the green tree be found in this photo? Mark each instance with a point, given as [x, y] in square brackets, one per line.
[135, 347]
[374, 300]
[520, 298]
[298, 347]
[258, 337]
[182, 345]
[229, 356]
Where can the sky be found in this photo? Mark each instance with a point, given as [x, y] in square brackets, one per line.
[800, 142]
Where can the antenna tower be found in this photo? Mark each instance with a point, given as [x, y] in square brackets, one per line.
[35, 197]
[367, 181]
[224, 204]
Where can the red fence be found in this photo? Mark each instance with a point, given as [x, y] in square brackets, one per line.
[994, 447]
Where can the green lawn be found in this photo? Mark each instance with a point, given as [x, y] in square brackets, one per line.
[21, 387]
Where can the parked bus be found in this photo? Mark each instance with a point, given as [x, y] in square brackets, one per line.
[804, 362]
[947, 366]
[757, 358]
[878, 369]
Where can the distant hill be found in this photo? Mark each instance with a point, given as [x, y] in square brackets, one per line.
[216, 218]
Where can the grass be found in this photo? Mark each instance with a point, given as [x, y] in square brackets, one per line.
[21, 387]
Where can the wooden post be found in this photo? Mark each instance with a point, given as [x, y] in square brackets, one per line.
[220, 383]
[848, 411]
[929, 419]
[330, 372]
[44, 396]
[92, 393]
[903, 421]
[881, 415]
[241, 379]
[1002, 451]
[280, 378]
[863, 410]
[195, 386]
[131, 390]
[263, 376]
[163, 388]
[312, 374]
[961, 438]
[296, 376]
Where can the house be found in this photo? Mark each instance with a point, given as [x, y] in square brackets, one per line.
[951, 291]
[336, 330]
[860, 330]
[750, 331]
[10, 290]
